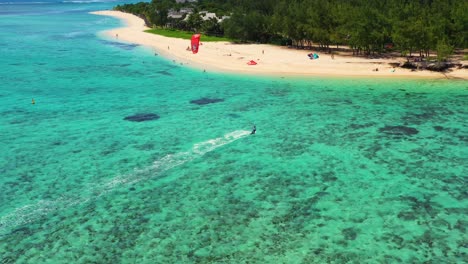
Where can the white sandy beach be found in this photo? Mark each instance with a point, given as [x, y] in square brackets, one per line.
[272, 60]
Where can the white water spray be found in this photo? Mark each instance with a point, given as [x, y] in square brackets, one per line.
[30, 213]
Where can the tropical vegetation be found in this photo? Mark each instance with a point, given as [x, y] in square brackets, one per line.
[367, 26]
[174, 33]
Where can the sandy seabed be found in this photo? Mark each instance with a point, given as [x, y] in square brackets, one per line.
[271, 60]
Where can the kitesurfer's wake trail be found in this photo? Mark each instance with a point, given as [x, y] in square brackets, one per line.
[32, 212]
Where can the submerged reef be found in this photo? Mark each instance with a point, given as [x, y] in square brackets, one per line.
[349, 233]
[204, 101]
[399, 130]
[121, 45]
[165, 72]
[142, 117]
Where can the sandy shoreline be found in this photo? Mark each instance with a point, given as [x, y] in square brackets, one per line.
[272, 60]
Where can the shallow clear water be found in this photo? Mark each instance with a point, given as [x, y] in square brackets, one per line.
[340, 170]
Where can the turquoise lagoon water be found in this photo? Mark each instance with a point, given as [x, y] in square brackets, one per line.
[340, 170]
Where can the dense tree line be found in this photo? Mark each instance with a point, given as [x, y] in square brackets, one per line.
[368, 26]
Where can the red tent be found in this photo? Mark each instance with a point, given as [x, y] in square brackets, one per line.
[252, 62]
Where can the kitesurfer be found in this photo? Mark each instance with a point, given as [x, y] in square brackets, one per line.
[254, 130]
[33, 101]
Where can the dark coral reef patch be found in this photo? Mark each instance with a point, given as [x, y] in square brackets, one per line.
[204, 101]
[142, 117]
[349, 233]
[399, 130]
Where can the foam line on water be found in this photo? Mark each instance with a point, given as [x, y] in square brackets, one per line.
[30, 213]
[170, 161]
